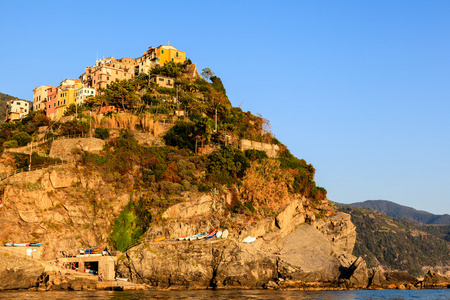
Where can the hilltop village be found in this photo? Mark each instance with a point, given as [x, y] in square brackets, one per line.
[140, 174]
[54, 100]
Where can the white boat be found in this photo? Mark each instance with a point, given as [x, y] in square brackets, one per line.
[219, 234]
[225, 234]
[121, 279]
[249, 239]
[190, 237]
[202, 236]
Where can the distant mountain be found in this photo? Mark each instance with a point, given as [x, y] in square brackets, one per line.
[399, 211]
[4, 98]
[399, 244]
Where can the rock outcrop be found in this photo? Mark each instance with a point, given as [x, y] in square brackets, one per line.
[18, 272]
[287, 249]
[434, 280]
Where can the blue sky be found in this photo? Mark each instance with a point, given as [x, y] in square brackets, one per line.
[359, 89]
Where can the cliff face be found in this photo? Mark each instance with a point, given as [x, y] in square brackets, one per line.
[286, 248]
[62, 207]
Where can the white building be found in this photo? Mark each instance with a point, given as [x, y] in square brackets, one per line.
[17, 109]
[83, 93]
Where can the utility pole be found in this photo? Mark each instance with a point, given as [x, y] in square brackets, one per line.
[31, 151]
[215, 121]
[90, 123]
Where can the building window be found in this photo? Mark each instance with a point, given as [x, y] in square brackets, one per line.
[177, 54]
[162, 51]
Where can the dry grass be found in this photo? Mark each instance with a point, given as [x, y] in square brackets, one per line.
[129, 121]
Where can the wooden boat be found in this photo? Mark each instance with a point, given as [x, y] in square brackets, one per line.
[211, 234]
[159, 239]
[219, 234]
[225, 234]
[202, 236]
[35, 245]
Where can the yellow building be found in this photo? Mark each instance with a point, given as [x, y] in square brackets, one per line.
[66, 96]
[167, 53]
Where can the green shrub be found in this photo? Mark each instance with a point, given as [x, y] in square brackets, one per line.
[129, 226]
[227, 165]
[22, 138]
[102, 133]
[253, 154]
[74, 127]
[10, 144]
[181, 135]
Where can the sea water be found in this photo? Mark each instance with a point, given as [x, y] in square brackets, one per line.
[438, 294]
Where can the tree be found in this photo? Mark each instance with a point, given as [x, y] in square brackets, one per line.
[207, 73]
[22, 138]
[120, 94]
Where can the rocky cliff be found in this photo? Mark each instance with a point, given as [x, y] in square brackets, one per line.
[287, 248]
[63, 207]
[69, 207]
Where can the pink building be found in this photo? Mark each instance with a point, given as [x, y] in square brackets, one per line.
[52, 99]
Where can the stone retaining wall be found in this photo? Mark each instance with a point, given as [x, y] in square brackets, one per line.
[270, 149]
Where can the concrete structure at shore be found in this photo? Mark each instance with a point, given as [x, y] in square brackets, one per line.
[100, 264]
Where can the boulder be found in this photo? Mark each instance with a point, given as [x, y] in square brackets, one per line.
[356, 274]
[434, 280]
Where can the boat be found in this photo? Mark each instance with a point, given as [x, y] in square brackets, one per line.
[219, 234]
[35, 245]
[121, 279]
[182, 238]
[192, 237]
[202, 236]
[211, 234]
[159, 239]
[21, 245]
[249, 240]
[225, 234]
[8, 245]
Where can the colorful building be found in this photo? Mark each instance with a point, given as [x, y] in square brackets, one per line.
[17, 109]
[146, 62]
[106, 71]
[167, 53]
[40, 97]
[163, 81]
[83, 93]
[66, 95]
[52, 98]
